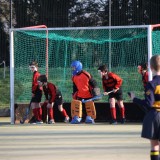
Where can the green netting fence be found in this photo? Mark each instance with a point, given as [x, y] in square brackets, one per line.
[121, 49]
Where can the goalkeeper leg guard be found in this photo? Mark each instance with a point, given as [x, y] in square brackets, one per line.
[76, 108]
[76, 111]
[90, 109]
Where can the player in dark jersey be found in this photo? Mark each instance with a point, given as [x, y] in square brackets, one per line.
[53, 96]
[151, 122]
[143, 70]
[36, 94]
[84, 87]
[112, 81]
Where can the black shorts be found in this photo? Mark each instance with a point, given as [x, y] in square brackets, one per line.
[37, 97]
[151, 125]
[118, 95]
[59, 99]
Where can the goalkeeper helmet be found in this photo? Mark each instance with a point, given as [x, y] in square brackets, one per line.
[76, 67]
[42, 78]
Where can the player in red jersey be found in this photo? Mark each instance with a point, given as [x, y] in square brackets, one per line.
[143, 70]
[36, 94]
[53, 96]
[112, 81]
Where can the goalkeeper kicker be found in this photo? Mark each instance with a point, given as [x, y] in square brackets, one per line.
[84, 87]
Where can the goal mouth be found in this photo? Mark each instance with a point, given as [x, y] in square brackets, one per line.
[121, 48]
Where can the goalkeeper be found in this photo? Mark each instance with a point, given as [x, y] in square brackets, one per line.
[112, 81]
[84, 87]
[53, 96]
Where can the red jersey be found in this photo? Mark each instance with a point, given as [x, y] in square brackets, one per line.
[36, 74]
[145, 78]
[113, 82]
[50, 92]
[81, 81]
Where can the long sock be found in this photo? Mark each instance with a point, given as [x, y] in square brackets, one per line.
[50, 113]
[39, 114]
[122, 110]
[154, 155]
[35, 113]
[64, 113]
[113, 113]
[44, 112]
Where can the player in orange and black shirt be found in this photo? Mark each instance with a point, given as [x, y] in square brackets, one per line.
[83, 83]
[53, 96]
[143, 70]
[36, 94]
[112, 81]
[151, 122]
[84, 87]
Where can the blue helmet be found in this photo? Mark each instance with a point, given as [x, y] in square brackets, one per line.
[78, 67]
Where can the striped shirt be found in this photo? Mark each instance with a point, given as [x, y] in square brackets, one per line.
[152, 94]
[35, 86]
[112, 82]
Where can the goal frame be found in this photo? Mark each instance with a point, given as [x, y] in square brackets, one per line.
[149, 29]
[12, 105]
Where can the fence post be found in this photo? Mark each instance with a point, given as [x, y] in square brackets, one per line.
[4, 69]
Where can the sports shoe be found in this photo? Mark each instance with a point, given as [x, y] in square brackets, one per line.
[51, 121]
[66, 120]
[33, 122]
[76, 120]
[89, 119]
[113, 121]
[39, 122]
[123, 120]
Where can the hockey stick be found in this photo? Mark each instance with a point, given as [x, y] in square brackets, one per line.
[22, 121]
[143, 108]
[97, 97]
[47, 117]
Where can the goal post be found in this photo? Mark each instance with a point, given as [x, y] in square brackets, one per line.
[154, 43]
[42, 26]
[121, 48]
[12, 64]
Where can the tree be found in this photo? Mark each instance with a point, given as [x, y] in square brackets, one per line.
[86, 13]
[54, 13]
[5, 23]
